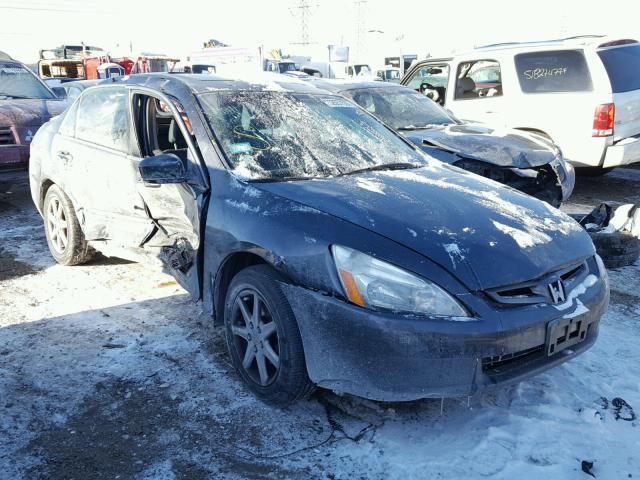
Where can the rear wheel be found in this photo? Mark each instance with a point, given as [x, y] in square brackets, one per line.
[64, 236]
[263, 337]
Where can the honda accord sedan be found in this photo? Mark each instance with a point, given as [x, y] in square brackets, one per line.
[333, 252]
[523, 160]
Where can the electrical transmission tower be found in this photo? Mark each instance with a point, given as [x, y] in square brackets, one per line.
[302, 11]
[361, 27]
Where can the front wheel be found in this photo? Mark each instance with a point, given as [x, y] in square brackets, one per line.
[263, 337]
[64, 236]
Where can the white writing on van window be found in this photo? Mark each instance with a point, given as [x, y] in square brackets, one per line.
[537, 73]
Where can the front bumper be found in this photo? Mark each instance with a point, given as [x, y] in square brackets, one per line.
[391, 357]
[624, 152]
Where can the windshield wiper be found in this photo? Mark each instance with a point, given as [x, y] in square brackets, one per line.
[384, 166]
[409, 128]
[279, 179]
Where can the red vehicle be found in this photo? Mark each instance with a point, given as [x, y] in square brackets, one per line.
[147, 64]
[26, 103]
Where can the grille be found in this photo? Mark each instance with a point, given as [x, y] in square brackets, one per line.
[501, 363]
[537, 291]
[6, 136]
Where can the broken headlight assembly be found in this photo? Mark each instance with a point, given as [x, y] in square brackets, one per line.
[372, 283]
[566, 174]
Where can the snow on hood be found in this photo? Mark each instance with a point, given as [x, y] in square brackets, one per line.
[503, 147]
[485, 234]
[29, 112]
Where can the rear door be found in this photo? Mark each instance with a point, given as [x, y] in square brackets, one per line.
[622, 64]
[94, 150]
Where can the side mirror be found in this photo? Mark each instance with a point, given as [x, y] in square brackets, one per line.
[60, 92]
[162, 169]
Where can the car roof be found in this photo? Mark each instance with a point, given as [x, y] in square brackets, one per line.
[337, 86]
[12, 63]
[83, 83]
[205, 83]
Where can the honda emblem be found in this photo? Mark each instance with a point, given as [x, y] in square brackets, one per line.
[556, 289]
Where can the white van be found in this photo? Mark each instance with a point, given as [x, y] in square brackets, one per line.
[582, 92]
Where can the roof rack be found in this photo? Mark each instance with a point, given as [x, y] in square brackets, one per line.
[554, 40]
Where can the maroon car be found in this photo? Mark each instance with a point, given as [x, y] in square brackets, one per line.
[25, 104]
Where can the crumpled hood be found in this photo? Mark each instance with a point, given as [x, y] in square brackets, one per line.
[29, 112]
[503, 147]
[485, 234]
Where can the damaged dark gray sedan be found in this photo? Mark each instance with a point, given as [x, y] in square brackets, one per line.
[523, 160]
[333, 252]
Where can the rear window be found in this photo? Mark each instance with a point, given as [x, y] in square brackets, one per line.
[623, 67]
[554, 71]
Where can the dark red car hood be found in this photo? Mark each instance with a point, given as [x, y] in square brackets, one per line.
[29, 112]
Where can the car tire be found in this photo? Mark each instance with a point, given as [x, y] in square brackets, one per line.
[617, 249]
[64, 236]
[255, 338]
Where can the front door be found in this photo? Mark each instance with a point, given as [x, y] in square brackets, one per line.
[161, 126]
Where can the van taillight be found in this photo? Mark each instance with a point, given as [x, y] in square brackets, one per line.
[603, 120]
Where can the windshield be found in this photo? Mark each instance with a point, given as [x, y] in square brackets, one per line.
[401, 107]
[18, 82]
[272, 135]
[287, 67]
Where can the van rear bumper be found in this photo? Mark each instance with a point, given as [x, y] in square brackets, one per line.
[624, 152]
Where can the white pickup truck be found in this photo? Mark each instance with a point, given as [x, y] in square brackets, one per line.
[582, 92]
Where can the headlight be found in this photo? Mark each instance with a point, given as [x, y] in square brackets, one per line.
[370, 282]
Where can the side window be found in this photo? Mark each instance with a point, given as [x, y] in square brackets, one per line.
[68, 126]
[103, 118]
[157, 130]
[436, 75]
[478, 79]
[553, 71]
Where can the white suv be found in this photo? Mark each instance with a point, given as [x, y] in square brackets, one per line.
[583, 92]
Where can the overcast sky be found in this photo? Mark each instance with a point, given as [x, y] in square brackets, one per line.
[410, 26]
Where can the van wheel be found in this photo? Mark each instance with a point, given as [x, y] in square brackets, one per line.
[64, 236]
[263, 337]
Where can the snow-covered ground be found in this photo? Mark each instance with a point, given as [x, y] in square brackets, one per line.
[105, 372]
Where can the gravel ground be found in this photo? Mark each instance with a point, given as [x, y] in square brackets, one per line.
[105, 372]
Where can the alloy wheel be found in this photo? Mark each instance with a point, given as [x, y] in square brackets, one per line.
[256, 337]
[58, 225]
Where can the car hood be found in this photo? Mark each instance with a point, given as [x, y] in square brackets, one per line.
[499, 146]
[29, 112]
[485, 234]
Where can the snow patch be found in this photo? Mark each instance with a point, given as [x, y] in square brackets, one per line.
[455, 254]
[524, 239]
[589, 281]
[242, 206]
[371, 185]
